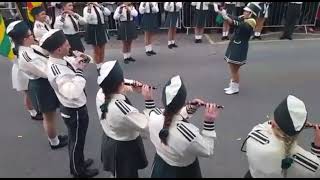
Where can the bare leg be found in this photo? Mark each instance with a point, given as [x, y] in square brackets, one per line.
[49, 124]
[27, 101]
[235, 75]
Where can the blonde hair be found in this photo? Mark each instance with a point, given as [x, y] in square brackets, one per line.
[288, 142]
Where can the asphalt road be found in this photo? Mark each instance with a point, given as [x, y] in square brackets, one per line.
[274, 70]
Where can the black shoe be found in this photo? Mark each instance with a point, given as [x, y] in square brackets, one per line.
[131, 59]
[88, 173]
[257, 37]
[290, 38]
[174, 45]
[283, 37]
[37, 117]
[197, 41]
[148, 53]
[170, 46]
[87, 163]
[224, 38]
[63, 142]
[126, 60]
[152, 52]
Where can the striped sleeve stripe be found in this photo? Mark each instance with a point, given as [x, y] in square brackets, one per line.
[150, 104]
[122, 107]
[315, 150]
[258, 138]
[305, 162]
[188, 131]
[209, 126]
[184, 134]
[158, 111]
[26, 57]
[55, 70]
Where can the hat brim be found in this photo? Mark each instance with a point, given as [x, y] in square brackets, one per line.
[249, 10]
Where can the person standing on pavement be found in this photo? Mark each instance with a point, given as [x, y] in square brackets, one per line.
[292, 16]
[65, 75]
[272, 147]
[149, 24]
[236, 54]
[127, 31]
[122, 150]
[69, 22]
[96, 32]
[178, 142]
[231, 10]
[33, 62]
[201, 18]
[173, 13]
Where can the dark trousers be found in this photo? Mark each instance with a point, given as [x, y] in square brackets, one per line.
[293, 13]
[77, 121]
[247, 175]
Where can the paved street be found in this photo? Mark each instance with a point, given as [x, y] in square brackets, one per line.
[274, 70]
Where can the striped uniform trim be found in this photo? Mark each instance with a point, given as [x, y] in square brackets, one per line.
[123, 107]
[187, 133]
[55, 70]
[306, 162]
[234, 62]
[156, 110]
[256, 135]
[315, 150]
[79, 72]
[26, 57]
[150, 104]
[209, 126]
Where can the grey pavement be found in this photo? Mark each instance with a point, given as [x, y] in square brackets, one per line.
[274, 70]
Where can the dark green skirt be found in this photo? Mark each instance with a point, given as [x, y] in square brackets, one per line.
[127, 31]
[42, 95]
[237, 52]
[201, 18]
[163, 170]
[171, 19]
[149, 22]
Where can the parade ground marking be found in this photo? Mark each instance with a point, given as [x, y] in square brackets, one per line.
[209, 39]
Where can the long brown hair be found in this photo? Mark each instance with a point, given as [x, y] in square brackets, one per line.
[108, 91]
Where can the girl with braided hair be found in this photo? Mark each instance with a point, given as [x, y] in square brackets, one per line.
[178, 143]
[122, 150]
[272, 148]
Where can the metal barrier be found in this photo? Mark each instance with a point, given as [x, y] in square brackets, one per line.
[276, 14]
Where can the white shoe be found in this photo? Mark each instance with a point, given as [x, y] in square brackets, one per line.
[226, 89]
[234, 89]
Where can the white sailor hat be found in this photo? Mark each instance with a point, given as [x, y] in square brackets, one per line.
[291, 115]
[174, 93]
[17, 29]
[52, 40]
[111, 74]
[253, 7]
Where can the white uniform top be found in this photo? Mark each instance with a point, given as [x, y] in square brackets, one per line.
[265, 153]
[169, 6]
[296, 2]
[230, 2]
[185, 142]
[33, 61]
[65, 23]
[67, 82]
[147, 8]
[123, 15]
[39, 28]
[123, 122]
[205, 5]
[92, 18]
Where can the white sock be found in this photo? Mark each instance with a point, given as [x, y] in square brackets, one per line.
[125, 55]
[99, 65]
[150, 47]
[200, 36]
[257, 33]
[54, 141]
[169, 42]
[33, 112]
[227, 33]
[172, 41]
[147, 48]
[223, 34]
[129, 54]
